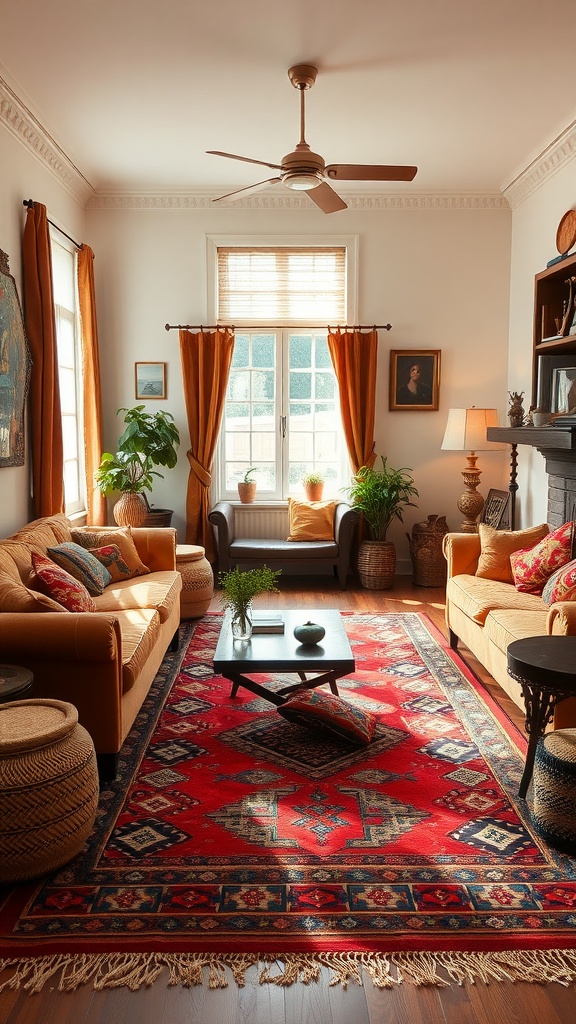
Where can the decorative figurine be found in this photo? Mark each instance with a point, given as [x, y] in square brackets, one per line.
[516, 410]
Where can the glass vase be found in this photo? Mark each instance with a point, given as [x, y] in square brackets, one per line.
[241, 622]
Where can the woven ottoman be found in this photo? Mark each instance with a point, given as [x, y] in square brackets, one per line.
[555, 789]
[197, 580]
[48, 787]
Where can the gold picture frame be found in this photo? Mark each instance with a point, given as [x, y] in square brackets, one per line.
[414, 380]
[150, 380]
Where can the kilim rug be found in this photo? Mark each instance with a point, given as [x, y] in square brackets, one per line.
[233, 837]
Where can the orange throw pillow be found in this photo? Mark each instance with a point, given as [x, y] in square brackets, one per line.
[311, 520]
[496, 546]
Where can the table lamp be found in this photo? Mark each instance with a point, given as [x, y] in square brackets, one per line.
[466, 432]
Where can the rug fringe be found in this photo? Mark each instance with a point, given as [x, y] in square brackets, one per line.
[140, 970]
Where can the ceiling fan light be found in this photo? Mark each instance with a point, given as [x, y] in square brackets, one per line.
[302, 181]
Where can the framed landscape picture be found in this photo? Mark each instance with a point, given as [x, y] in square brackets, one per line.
[14, 369]
[414, 379]
[150, 380]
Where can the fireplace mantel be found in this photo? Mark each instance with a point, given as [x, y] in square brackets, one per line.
[558, 446]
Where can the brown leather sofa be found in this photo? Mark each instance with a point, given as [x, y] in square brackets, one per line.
[103, 662]
[295, 558]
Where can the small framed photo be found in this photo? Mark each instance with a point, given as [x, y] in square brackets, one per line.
[564, 390]
[496, 511]
[414, 379]
[150, 380]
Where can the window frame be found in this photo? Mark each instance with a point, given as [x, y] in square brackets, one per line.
[284, 327]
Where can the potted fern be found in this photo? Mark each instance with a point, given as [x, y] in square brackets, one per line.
[148, 440]
[239, 588]
[380, 495]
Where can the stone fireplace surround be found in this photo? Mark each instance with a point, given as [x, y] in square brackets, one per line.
[558, 446]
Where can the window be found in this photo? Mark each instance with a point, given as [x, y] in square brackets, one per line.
[69, 373]
[282, 412]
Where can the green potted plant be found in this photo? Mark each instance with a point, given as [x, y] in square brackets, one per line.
[239, 588]
[313, 484]
[247, 487]
[380, 496]
[148, 440]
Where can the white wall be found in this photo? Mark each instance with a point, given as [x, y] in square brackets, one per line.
[440, 276]
[533, 244]
[24, 176]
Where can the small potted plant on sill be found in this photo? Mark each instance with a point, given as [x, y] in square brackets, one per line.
[247, 487]
[313, 484]
[380, 496]
[149, 439]
[239, 588]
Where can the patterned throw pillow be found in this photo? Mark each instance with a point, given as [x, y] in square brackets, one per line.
[311, 520]
[82, 565]
[58, 584]
[111, 557]
[97, 538]
[532, 567]
[562, 585]
[316, 710]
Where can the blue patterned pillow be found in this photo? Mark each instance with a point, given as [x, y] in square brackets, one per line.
[82, 565]
[316, 710]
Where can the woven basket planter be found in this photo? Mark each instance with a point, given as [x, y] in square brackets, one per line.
[130, 510]
[158, 517]
[377, 564]
[48, 787]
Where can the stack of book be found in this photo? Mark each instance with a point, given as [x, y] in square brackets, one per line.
[267, 622]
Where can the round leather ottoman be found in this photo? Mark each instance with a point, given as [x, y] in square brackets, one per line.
[555, 789]
[197, 580]
[48, 787]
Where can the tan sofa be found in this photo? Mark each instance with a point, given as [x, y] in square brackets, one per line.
[103, 662]
[487, 615]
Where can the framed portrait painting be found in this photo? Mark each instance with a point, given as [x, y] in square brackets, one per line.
[414, 380]
[150, 380]
[14, 370]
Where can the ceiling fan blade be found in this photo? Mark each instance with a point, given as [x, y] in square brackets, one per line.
[370, 172]
[244, 159]
[248, 189]
[325, 197]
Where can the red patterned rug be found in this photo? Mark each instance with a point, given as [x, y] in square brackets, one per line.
[232, 835]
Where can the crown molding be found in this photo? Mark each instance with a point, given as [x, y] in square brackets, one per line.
[290, 201]
[27, 129]
[560, 152]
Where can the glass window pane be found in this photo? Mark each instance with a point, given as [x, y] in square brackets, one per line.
[322, 354]
[63, 265]
[325, 385]
[300, 385]
[71, 488]
[239, 385]
[69, 437]
[241, 349]
[300, 351]
[65, 340]
[263, 346]
[67, 380]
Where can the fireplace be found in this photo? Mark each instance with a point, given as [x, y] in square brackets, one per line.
[558, 446]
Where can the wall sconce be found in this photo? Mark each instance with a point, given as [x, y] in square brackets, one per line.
[466, 432]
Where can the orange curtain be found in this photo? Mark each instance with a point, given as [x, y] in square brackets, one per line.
[206, 359]
[354, 357]
[46, 421]
[92, 392]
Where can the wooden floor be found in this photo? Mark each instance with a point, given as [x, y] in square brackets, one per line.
[497, 1003]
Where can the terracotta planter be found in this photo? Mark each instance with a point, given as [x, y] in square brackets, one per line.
[130, 510]
[377, 564]
[247, 491]
[314, 492]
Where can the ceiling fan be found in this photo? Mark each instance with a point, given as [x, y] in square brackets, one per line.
[306, 171]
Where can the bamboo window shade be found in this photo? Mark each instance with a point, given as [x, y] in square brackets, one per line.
[280, 284]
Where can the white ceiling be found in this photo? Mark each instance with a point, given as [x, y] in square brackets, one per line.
[135, 91]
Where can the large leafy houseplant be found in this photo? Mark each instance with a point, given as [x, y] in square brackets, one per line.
[148, 440]
[380, 495]
[239, 588]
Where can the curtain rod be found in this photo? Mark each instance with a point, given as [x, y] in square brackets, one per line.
[30, 204]
[273, 327]
[199, 327]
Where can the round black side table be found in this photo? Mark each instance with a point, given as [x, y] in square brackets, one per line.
[545, 667]
[15, 683]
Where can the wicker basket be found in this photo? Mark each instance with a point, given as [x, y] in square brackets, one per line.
[377, 564]
[430, 569]
[158, 517]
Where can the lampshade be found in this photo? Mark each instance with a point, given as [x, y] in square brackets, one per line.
[466, 430]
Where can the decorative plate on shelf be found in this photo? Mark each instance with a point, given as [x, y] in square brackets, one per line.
[566, 232]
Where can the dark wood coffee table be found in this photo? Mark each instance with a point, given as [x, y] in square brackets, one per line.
[331, 659]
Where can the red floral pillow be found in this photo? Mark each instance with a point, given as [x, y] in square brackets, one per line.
[324, 711]
[532, 567]
[562, 585]
[58, 584]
